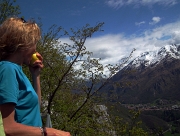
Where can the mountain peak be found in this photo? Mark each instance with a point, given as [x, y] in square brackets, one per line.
[152, 58]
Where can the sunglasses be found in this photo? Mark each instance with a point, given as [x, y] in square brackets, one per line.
[23, 20]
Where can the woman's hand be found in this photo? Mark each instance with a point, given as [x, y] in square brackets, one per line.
[55, 132]
[36, 67]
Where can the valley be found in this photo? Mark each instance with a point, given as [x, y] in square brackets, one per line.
[149, 106]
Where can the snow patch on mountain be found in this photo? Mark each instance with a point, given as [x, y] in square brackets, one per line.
[154, 57]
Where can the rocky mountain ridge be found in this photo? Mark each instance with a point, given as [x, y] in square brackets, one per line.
[149, 77]
[153, 58]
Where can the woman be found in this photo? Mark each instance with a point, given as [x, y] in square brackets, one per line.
[19, 101]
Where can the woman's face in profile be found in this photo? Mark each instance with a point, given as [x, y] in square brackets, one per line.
[27, 54]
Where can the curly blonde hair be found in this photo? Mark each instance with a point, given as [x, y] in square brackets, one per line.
[17, 34]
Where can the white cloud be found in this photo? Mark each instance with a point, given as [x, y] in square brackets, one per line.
[120, 3]
[140, 23]
[155, 20]
[112, 48]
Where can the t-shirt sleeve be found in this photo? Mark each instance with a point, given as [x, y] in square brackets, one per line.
[8, 85]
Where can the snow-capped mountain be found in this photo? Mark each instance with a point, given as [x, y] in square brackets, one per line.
[154, 57]
[151, 76]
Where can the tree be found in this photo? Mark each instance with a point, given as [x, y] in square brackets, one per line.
[66, 88]
[8, 9]
[68, 91]
[129, 128]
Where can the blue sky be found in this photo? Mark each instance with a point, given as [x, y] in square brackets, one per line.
[145, 25]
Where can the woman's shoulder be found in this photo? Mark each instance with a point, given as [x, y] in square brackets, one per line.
[8, 66]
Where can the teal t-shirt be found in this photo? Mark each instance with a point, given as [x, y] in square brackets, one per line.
[16, 88]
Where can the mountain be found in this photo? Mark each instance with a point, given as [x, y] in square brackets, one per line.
[152, 58]
[151, 76]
